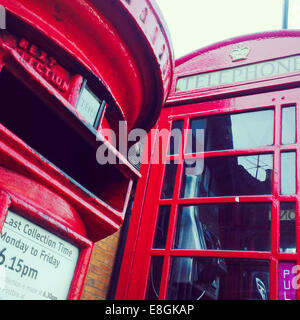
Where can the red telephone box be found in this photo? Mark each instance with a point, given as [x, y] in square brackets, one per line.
[69, 70]
[218, 216]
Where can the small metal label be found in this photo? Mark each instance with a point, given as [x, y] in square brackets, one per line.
[88, 105]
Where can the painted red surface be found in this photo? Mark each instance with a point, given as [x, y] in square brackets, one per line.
[272, 92]
[129, 51]
[123, 59]
[123, 49]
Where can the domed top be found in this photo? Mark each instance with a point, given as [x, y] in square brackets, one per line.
[124, 43]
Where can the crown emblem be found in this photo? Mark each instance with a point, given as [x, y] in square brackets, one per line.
[239, 53]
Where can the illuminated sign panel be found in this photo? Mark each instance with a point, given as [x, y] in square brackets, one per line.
[255, 71]
[34, 263]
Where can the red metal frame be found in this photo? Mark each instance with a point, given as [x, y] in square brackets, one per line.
[93, 56]
[275, 93]
[112, 50]
[137, 285]
[146, 226]
[126, 57]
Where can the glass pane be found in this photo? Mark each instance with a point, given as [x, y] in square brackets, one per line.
[227, 176]
[288, 173]
[286, 290]
[162, 227]
[287, 227]
[176, 137]
[218, 279]
[234, 131]
[288, 127]
[169, 180]
[228, 226]
[154, 279]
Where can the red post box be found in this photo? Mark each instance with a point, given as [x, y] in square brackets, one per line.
[218, 216]
[69, 71]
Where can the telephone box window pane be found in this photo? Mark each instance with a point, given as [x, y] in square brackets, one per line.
[218, 279]
[154, 278]
[287, 227]
[227, 176]
[288, 125]
[234, 131]
[288, 173]
[169, 180]
[162, 226]
[228, 226]
[286, 273]
[176, 137]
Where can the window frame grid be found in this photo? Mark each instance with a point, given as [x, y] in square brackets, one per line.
[273, 256]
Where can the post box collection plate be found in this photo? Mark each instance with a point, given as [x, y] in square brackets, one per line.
[34, 263]
[88, 105]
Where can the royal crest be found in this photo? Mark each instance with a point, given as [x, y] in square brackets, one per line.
[239, 53]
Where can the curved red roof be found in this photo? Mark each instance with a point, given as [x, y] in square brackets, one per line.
[124, 43]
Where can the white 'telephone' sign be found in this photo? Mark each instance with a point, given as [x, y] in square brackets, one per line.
[35, 264]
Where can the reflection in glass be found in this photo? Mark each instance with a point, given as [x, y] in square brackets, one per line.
[224, 226]
[288, 173]
[218, 279]
[287, 227]
[162, 227]
[227, 176]
[154, 278]
[169, 180]
[234, 131]
[288, 126]
[176, 137]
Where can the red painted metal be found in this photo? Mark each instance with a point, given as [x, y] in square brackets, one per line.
[123, 50]
[46, 73]
[35, 202]
[273, 92]
[113, 41]
[141, 67]
[278, 43]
